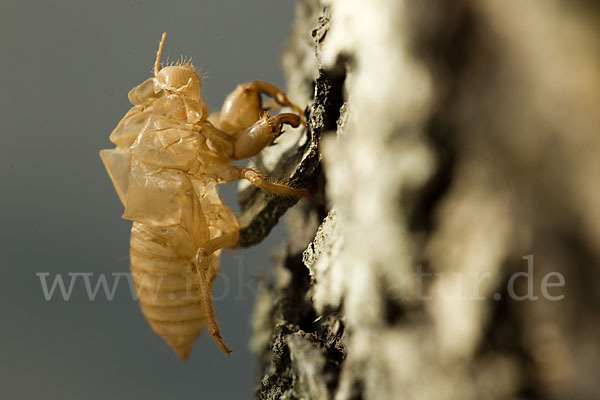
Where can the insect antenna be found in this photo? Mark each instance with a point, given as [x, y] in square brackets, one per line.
[159, 52]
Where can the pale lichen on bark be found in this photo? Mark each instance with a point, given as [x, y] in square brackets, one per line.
[454, 139]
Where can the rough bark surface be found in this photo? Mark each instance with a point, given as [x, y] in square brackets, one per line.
[451, 145]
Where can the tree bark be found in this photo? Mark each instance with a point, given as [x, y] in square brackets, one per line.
[455, 152]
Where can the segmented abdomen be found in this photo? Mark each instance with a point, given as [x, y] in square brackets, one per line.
[167, 284]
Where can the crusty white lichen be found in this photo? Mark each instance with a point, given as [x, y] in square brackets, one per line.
[466, 139]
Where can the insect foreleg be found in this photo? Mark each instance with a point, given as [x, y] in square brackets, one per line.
[201, 262]
[244, 106]
[277, 94]
[261, 134]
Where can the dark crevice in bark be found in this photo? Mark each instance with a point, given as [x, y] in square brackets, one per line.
[502, 334]
[260, 210]
[302, 327]
[393, 311]
[329, 99]
[322, 333]
[444, 48]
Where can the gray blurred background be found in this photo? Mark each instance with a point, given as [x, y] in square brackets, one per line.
[66, 69]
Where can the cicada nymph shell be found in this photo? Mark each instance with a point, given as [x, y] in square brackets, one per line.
[165, 167]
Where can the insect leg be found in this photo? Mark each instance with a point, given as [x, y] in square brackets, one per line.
[256, 179]
[262, 133]
[201, 262]
[244, 106]
[232, 173]
[277, 94]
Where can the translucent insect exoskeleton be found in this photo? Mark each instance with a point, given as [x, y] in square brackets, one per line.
[166, 166]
